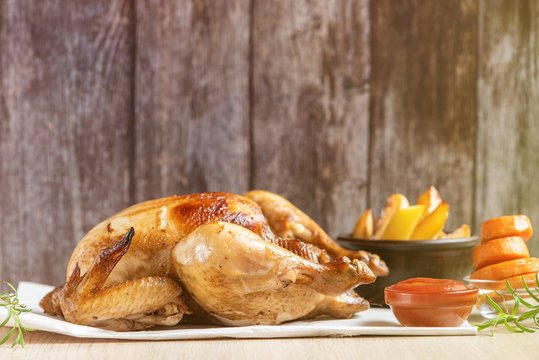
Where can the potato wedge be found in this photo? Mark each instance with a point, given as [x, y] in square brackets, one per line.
[440, 235]
[403, 223]
[364, 226]
[431, 224]
[394, 203]
[462, 232]
[431, 199]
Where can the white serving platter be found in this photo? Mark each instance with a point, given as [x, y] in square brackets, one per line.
[371, 322]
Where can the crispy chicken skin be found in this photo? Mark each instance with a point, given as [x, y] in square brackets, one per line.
[216, 257]
[289, 222]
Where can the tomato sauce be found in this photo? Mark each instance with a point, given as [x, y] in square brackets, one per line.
[430, 302]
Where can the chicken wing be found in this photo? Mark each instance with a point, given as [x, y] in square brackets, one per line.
[289, 222]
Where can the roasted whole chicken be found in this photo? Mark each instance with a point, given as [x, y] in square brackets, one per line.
[210, 257]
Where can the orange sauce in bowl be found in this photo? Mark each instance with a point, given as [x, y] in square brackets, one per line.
[430, 302]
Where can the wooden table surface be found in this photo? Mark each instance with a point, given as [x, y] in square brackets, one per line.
[42, 345]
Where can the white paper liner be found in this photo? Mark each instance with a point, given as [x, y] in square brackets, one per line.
[370, 322]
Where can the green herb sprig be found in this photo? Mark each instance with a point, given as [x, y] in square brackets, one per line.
[509, 318]
[9, 299]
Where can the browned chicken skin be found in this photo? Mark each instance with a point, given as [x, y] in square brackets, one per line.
[218, 257]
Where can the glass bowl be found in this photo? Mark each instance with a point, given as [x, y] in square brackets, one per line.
[431, 302]
[498, 291]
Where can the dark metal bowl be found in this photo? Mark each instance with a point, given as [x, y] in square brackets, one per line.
[444, 258]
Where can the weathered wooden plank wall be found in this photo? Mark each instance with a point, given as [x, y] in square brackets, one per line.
[423, 101]
[313, 60]
[65, 111]
[334, 104]
[508, 121]
[191, 97]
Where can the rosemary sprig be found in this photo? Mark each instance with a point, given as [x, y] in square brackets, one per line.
[10, 301]
[509, 318]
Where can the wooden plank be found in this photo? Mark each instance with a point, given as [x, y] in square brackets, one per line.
[65, 110]
[424, 101]
[508, 151]
[310, 106]
[192, 109]
[504, 345]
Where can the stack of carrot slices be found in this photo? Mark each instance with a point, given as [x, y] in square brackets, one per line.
[503, 253]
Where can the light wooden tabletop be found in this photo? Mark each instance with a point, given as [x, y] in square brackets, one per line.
[42, 345]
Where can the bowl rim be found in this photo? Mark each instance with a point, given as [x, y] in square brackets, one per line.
[441, 299]
[409, 245]
[485, 284]
[502, 281]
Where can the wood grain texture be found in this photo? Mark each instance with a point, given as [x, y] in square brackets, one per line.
[310, 106]
[105, 103]
[44, 346]
[508, 150]
[423, 120]
[192, 108]
[65, 105]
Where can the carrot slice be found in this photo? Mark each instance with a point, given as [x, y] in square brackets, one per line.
[499, 250]
[515, 281]
[507, 269]
[504, 226]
